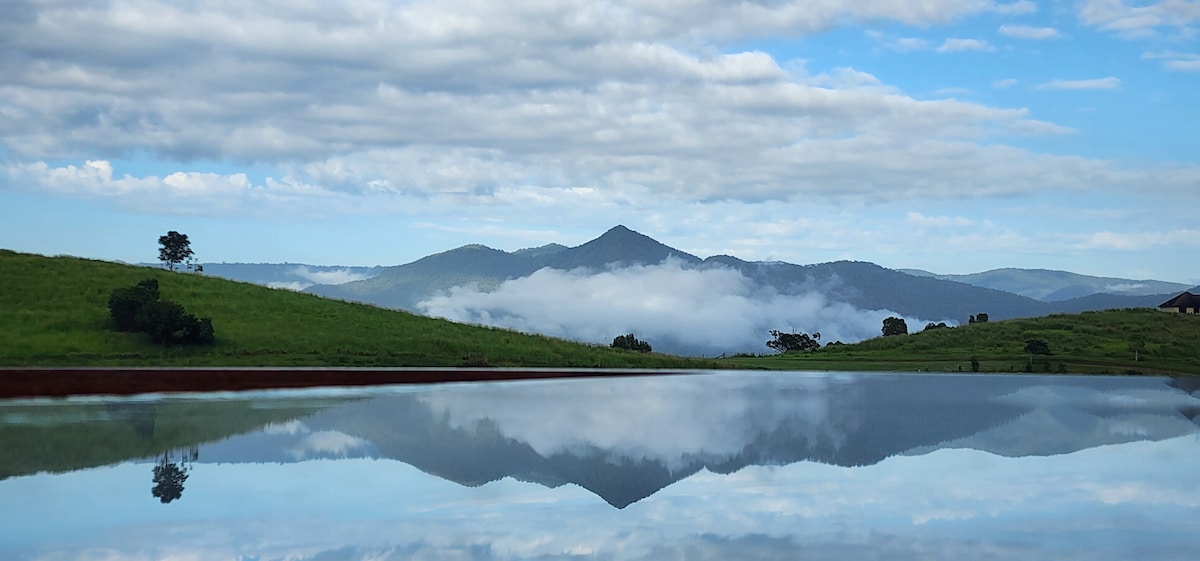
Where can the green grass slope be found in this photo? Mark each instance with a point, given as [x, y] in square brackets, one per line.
[1085, 343]
[54, 312]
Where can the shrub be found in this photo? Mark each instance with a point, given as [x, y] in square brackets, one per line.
[629, 342]
[138, 308]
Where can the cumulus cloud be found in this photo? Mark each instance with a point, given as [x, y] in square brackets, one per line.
[1176, 61]
[954, 45]
[1108, 83]
[367, 107]
[1028, 32]
[677, 309]
[1134, 21]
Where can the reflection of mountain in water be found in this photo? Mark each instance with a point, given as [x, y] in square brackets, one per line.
[623, 439]
[626, 439]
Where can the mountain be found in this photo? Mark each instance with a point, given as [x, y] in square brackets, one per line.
[406, 285]
[1057, 286]
[865, 286]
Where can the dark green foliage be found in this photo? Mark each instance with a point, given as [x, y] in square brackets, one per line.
[168, 481]
[631, 343]
[174, 249]
[894, 326]
[802, 342]
[980, 318]
[974, 363]
[931, 326]
[124, 303]
[1037, 347]
[138, 308]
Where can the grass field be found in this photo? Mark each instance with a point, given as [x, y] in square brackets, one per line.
[55, 314]
[1088, 343]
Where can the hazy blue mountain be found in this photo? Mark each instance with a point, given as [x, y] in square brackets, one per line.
[1056, 286]
[912, 293]
[294, 276]
[406, 285]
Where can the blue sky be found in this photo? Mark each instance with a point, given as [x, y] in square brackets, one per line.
[949, 135]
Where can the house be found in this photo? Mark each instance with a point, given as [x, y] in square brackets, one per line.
[1186, 303]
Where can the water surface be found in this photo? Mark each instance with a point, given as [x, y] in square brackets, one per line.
[712, 466]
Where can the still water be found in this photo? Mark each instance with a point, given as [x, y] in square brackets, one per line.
[707, 466]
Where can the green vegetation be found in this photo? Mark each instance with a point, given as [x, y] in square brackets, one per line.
[631, 343]
[56, 313]
[1142, 341]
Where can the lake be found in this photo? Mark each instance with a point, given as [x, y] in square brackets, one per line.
[720, 466]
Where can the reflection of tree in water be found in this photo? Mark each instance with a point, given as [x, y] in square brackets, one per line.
[169, 476]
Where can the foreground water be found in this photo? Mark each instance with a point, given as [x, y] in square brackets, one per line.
[707, 466]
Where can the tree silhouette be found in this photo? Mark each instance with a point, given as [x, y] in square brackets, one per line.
[803, 342]
[168, 479]
[174, 249]
[894, 326]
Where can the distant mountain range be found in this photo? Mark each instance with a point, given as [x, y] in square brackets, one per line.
[1056, 286]
[1002, 294]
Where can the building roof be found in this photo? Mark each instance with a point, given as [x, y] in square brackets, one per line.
[1185, 300]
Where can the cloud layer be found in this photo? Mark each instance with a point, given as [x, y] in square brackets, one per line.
[676, 309]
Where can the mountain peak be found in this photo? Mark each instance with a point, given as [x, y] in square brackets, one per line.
[618, 245]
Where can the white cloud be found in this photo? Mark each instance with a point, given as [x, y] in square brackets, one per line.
[1005, 83]
[1108, 83]
[1028, 32]
[955, 45]
[698, 311]
[333, 276]
[919, 219]
[1136, 21]
[1022, 7]
[1182, 62]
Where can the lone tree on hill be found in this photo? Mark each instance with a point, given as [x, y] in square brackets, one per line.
[803, 342]
[894, 326]
[174, 249]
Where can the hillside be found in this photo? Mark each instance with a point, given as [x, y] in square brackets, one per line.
[1091, 342]
[55, 313]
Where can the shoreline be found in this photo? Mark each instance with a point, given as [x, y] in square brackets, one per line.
[25, 382]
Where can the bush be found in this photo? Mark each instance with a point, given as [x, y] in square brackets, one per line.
[631, 343]
[138, 308]
[124, 303]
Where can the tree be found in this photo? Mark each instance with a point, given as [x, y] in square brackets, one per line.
[930, 326]
[1138, 346]
[894, 326]
[175, 249]
[785, 342]
[631, 343]
[168, 480]
[1036, 347]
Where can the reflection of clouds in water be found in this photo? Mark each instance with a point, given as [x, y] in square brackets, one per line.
[1097, 504]
[666, 419]
[314, 444]
[327, 443]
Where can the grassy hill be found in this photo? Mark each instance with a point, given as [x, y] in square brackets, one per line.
[1088, 342]
[55, 313]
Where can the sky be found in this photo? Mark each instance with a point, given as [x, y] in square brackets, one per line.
[954, 136]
